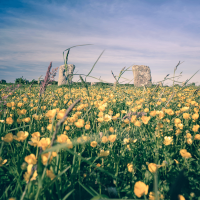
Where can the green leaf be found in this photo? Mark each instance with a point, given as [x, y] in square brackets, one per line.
[67, 195]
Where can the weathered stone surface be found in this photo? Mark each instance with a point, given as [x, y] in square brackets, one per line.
[142, 75]
[62, 80]
[93, 83]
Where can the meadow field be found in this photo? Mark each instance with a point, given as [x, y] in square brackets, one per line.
[99, 142]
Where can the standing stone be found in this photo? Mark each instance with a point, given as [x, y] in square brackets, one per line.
[142, 75]
[62, 80]
[93, 83]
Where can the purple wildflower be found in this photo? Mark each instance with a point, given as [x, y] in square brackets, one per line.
[48, 78]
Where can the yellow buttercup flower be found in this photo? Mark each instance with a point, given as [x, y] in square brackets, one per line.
[126, 121]
[45, 156]
[21, 136]
[137, 123]
[61, 114]
[9, 105]
[9, 120]
[79, 123]
[140, 189]
[176, 161]
[195, 116]
[69, 144]
[185, 154]
[178, 131]
[100, 114]
[104, 139]
[31, 159]
[177, 121]
[195, 128]
[126, 140]
[130, 167]
[87, 126]
[2, 162]
[102, 108]
[62, 138]
[133, 118]
[67, 128]
[27, 119]
[145, 119]
[19, 104]
[153, 113]
[152, 167]
[27, 174]
[111, 129]
[112, 138]
[168, 140]
[51, 113]
[35, 134]
[107, 118]
[189, 141]
[34, 141]
[8, 137]
[186, 115]
[44, 143]
[50, 174]
[93, 144]
[197, 137]
[100, 120]
[180, 197]
[103, 153]
[184, 109]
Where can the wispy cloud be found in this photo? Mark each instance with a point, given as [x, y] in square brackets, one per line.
[34, 33]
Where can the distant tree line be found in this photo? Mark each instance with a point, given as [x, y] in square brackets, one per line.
[24, 81]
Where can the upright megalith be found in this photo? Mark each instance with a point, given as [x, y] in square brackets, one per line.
[65, 77]
[142, 75]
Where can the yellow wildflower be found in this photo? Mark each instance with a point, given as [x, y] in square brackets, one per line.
[104, 139]
[2, 162]
[185, 154]
[8, 137]
[130, 167]
[186, 115]
[21, 136]
[79, 123]
[140, 189]
[103, 153]
[168, 140]
[87, 126]
[145, 119]
[93, 144]
[44, 143]
[31, 159]
[152, 167]
[62, 138]
[197, 137]
[112, 138]
[9, 120]
[50, 174]
[111, 129]
[137, 123]
[107, 118]
[195, 116]
[180, 197]
[195, 128]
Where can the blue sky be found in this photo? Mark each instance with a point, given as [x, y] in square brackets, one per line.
[156, 33]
